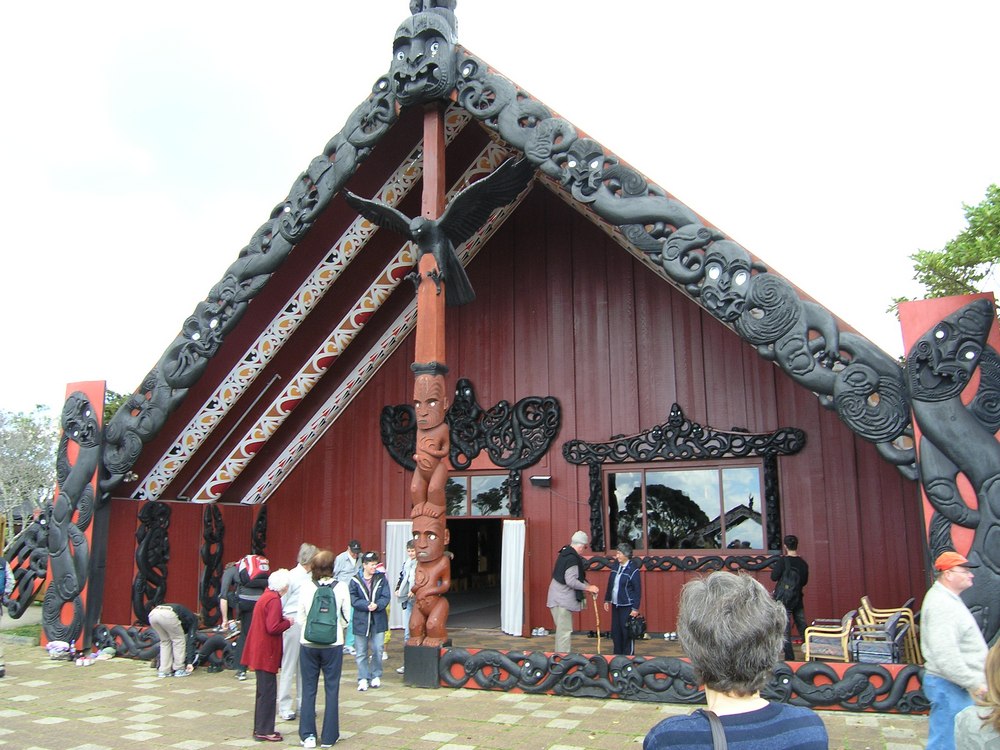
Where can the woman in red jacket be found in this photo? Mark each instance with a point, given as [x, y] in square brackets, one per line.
[263, 654]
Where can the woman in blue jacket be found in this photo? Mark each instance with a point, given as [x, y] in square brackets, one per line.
[623, 597]
[370, 594]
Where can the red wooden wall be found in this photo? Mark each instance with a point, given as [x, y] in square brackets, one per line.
[563, 311]
[184, 569]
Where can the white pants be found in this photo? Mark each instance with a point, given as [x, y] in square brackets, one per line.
[172, 645]
[290, 672]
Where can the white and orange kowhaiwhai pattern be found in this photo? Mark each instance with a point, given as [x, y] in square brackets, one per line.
[328, 353]
[280, 330]
[374, 359]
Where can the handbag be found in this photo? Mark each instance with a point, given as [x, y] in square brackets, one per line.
[635, 628]
[718, 732]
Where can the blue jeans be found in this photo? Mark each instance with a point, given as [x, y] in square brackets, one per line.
[312, 661]
[947, 699]
[369, 667]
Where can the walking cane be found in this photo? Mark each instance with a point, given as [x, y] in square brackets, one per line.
[597, 616]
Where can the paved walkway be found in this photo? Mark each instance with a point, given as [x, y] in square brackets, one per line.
[120, 703]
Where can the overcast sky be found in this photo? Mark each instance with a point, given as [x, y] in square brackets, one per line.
[143, 144]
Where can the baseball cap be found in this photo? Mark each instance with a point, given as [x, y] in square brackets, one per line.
[949, 560]
[580, 537]
[354, 545]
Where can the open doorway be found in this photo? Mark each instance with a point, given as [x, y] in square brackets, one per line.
[474, 598]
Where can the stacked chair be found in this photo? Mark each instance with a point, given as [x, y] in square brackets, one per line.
[829, 639]
[867, 634]
[874, 626]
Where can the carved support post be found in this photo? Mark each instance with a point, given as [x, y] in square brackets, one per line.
[428, 618]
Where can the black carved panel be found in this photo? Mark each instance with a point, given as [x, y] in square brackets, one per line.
[664, 679]
[213, 536]
[514, 437]
[258, 539]
[152, 554]
[679, 439]
[958, 440]
[66, 546]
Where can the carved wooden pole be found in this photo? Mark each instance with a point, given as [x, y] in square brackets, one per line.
[429, 616]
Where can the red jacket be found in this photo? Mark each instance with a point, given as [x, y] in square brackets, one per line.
[262, 650]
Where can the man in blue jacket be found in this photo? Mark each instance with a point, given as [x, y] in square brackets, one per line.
[370, 594]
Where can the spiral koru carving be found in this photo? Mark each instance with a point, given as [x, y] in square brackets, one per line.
[958, 439]
[665, 679]
[152, 554]
[515, 437]
[213, 535]
[67, 516]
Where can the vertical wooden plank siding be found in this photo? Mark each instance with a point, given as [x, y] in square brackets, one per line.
[562, 311]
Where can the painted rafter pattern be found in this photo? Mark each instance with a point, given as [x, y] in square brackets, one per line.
[285, 323]
[324, 357]
[373, 360]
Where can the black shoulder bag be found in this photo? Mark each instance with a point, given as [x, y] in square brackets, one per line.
[718, 733]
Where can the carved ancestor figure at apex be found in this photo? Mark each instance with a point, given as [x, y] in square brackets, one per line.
[464, 215]
[423, 53]
[432, 579]
[430, 404]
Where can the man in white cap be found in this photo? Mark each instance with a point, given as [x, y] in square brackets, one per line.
[954, 649]
[568, 589]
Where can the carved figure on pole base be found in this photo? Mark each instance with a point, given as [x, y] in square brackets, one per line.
[430, 404]
[432, 579]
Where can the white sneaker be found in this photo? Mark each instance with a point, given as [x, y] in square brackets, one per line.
[309, 741]
[376, 682]
[400, 670]
[349, 650]
[384, 656]
[362, 685]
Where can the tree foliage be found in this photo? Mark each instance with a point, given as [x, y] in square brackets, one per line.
[966, 264]
[27, 462]
[112, 403]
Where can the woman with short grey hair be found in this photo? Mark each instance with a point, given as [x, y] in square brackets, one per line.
[733, 631]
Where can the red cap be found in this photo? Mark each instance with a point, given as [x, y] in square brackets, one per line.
[949, 560]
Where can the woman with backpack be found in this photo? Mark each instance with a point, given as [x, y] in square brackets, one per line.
[370, 594]
[324, 611]
[263, 654]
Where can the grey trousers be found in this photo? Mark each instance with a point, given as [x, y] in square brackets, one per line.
[290, 672]
[563, 618]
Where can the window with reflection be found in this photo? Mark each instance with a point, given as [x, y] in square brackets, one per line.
[699, 507]
[478, 495]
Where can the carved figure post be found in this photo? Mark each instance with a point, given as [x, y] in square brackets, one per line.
[428, 619]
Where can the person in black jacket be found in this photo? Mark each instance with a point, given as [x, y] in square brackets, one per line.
[622, 598]
[568, 589]
[254, 571]
[792, 574]
[176, 626]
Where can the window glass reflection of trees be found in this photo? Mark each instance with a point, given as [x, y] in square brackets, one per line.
[478, 495]
[706, 508]
[490, 496]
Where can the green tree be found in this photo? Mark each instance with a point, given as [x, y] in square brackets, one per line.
[27, 463]
[967, 263]
[112, 403]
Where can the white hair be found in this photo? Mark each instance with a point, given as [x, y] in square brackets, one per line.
[279, 579]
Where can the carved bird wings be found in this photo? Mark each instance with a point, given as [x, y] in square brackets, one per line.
[462, 217]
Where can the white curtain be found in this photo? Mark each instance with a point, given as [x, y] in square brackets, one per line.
[512, 578]
[397, 534]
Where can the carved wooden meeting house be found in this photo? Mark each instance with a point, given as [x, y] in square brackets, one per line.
[470, 320]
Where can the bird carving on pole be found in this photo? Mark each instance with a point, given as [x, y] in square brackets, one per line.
[462, 217]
